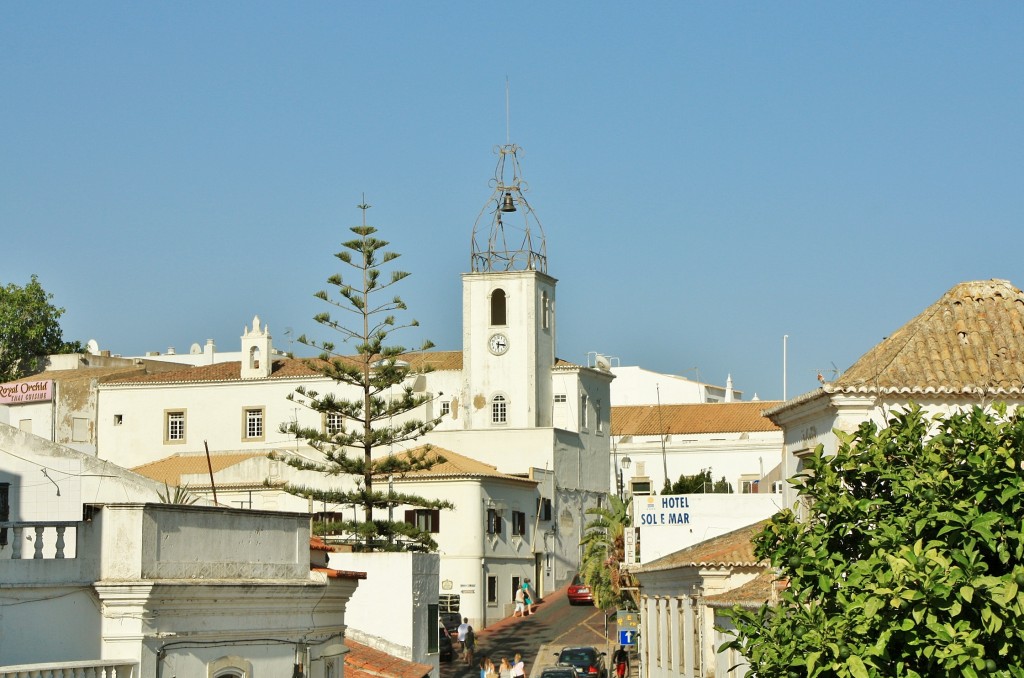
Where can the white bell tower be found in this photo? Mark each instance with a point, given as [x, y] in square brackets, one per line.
[256, 351]
[508, 311]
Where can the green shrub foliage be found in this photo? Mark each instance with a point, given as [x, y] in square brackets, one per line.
[910, 561]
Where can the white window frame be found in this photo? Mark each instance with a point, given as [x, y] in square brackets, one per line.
[333, 423]
[254, 423]
[446, 407]
[499, 409]
[584, 406]
[175, 426]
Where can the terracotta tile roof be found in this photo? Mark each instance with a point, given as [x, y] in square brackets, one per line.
[455, 465]
[695, 418]
[84, 374]
[729, 549]
[759, 590]
[971, 341]
[170, 469]
[339, 574]
[282, 368]
[362, 661]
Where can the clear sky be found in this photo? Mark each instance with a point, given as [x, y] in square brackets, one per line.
[710, 176]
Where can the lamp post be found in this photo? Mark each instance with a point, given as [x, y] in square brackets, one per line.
[391, 507]
[620, 473]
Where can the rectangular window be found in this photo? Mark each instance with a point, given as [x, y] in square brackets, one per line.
[640, 487]
[493, 522]
[492, 589]
[583, 412]
[544, 508]
[5, 510]
[253, 423]
[118, 419]
[446, 407]
[518, 523]
[79, 430]
[174, 428]
[560, 398]
[333, 423]
[598, 416]
[428, 520]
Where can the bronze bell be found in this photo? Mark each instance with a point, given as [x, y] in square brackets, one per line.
[506, 203]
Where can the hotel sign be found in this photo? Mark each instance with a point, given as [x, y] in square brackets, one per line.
[26, 392]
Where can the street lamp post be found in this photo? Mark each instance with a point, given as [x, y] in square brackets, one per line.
[620, 472]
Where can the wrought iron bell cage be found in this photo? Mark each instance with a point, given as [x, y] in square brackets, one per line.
[514, 236]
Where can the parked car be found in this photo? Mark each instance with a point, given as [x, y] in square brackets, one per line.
[587, 661]
[445, 651]
[579, 593]
[451, 621]
[558, 672]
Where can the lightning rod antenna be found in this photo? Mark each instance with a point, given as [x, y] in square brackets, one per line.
[508, 134]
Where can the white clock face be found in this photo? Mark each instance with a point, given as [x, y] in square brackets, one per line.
[498, 344]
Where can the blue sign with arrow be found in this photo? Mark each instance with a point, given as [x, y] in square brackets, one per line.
[627, 636]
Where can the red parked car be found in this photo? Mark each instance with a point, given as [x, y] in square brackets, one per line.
[579, 593]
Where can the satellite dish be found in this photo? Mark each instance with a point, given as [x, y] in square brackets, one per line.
[92, 347]
[196, 349]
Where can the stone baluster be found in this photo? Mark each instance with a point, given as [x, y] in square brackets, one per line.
[39, 542]
[60, 541]
[17, 543]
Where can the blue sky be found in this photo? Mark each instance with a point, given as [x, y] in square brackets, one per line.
[710, 176]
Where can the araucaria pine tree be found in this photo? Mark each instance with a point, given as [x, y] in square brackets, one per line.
[372, 412]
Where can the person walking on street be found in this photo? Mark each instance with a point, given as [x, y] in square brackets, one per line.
[529, 593]
[468, 646]
[620, 660]
[504, 669]
[520, 610]
[463, 627]
[518, 668]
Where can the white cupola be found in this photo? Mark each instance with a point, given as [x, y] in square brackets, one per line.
[257, 360]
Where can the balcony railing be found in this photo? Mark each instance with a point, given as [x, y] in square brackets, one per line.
[98, 668]
[47, 540]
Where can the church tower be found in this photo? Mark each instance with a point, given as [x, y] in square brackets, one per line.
[508, 310]
[257, 361]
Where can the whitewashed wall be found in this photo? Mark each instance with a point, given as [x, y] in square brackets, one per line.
[732, 455]
[389, 610]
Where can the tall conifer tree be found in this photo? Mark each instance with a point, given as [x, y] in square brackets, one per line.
[373, 411]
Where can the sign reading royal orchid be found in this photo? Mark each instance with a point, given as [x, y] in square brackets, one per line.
[26, 392]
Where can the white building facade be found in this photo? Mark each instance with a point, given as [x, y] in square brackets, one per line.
[151, 589]
[652, 443]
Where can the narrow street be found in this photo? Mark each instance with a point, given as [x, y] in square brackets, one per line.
[554, 624]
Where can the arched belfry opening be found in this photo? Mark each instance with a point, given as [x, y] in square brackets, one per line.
[499, 311]
[507, 235]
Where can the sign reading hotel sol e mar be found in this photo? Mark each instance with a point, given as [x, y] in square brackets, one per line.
[26, 392]
[667, 510]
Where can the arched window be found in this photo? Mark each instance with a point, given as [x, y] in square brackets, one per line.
[254, 357]
[499, 409]
[229, 667]
[498, 315]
